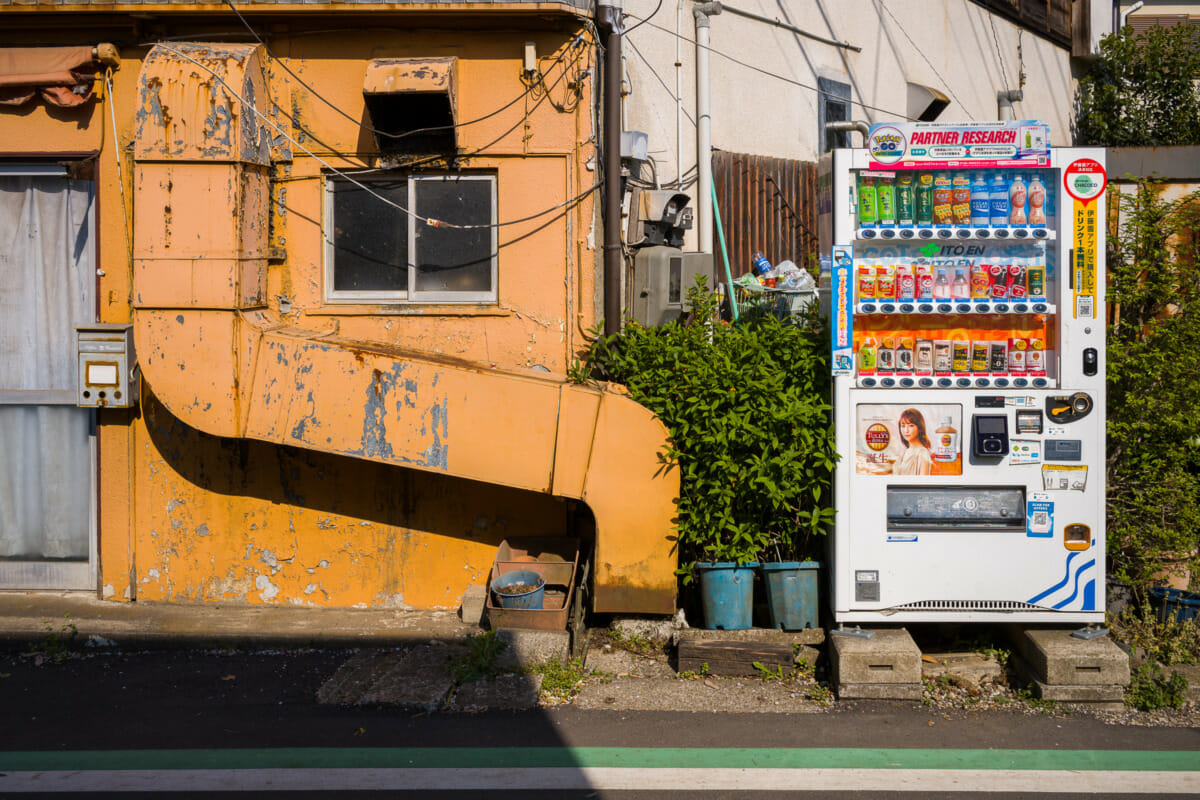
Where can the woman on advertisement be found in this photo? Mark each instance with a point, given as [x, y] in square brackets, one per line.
[918, 456]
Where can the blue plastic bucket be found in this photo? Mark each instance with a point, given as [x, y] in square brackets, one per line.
[792, 594]
[727, 594]
[531, 599]
[1175, 603]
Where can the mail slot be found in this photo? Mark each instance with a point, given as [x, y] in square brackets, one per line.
[956, 508]
[108, 376]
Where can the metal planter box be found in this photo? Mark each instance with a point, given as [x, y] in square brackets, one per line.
[556, 559]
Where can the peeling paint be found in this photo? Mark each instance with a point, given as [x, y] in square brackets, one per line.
[266, 589]
[202, 529]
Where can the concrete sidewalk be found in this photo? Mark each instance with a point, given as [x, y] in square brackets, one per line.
[27, 617]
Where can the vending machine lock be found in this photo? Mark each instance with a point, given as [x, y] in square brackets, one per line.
[989, 435]
[1071, 408]
[1091, 361]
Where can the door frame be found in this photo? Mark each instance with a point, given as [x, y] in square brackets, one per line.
[61, 575]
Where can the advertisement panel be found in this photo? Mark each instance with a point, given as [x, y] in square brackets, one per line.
[904, 439]
[931, 145]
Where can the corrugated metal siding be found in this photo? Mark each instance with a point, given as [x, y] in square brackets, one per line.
[767, 204]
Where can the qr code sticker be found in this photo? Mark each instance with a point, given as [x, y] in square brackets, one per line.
[1084, 307]
[1040, 519]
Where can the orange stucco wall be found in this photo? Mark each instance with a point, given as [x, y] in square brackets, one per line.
[185, 516]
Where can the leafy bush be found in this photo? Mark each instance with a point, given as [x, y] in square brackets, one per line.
[1149, 689]
[1153, 405]
[1167, 641]
[1140, 91]
[747, 407]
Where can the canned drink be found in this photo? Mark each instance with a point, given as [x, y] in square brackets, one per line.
[981, 282]
[998, 357]
[1016, 355]
[943, 358]
[943, 200]
[906, 283]
[885, 282]
[961, 194]
[923, 355]
[998, 274]
[924, 282]
[980, 356]
[1035, 356]
[1016, 282]
[866, 283]
[1035, 279]
[924, 195]
[960, 359]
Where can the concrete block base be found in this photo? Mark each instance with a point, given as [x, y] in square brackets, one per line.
[887, 666]
[879, 691]
[1059, 659]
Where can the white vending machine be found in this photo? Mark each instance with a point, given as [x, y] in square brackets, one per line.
[965, 273]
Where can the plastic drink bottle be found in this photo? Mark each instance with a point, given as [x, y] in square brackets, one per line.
[868, 210]
[1037, 202]
[760, 263]
[941, 285]
[998, 200]
[925, 200]
[905, 200]
[959, 290]
[1016, 202]
[981, 209]
[885, 201]
[961, 198]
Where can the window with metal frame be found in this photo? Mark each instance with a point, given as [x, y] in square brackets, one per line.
[377, 253]
[833, 105]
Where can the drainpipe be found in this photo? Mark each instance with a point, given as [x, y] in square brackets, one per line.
[849, 127]
[608, 18]
[702, 12]
[1004, 103]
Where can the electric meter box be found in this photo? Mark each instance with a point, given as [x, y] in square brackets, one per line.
[107, 377]
[661, 279]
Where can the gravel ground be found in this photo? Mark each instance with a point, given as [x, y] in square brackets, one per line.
[645, 680]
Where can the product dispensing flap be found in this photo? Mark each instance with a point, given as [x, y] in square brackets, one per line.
[956, 508]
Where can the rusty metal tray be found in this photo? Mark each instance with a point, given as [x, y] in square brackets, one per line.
[554, 558]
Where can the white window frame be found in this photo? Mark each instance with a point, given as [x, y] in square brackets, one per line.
[411, 295]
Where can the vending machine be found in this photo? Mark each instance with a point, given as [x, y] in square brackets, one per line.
[965, 269]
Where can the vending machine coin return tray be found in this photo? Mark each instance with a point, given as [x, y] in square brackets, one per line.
[956, 508]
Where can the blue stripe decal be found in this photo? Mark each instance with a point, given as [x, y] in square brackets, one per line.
[1089, 596]
[1075, 589]
[1061, 584]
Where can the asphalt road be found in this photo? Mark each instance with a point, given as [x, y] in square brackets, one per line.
[202, 723]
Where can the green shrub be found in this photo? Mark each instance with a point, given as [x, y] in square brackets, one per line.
[1149, 689]
[1153, 403]
[747, 407]
[1140, 91]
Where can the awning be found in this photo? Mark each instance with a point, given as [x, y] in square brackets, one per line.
[63, 75]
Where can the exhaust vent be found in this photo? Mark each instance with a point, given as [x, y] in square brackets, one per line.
[967, 605]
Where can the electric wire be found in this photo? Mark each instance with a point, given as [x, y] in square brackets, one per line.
[999, 56]
[657, 8]
[436, 223]
[921, 53]
[369, 128]
[776, 75]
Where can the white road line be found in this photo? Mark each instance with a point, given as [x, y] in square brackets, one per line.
[974, 781]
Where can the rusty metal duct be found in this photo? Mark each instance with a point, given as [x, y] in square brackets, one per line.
[412, 104]
[223, 363]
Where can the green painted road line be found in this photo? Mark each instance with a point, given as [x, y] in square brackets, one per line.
[604, 757]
